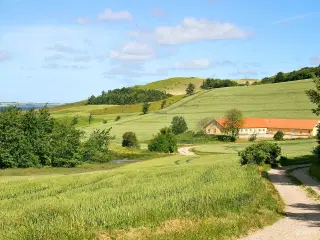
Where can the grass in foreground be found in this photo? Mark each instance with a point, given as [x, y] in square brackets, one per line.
[167, 198]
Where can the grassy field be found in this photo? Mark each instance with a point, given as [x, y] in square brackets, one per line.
[198, 197]
[178, 85]
[282, 100]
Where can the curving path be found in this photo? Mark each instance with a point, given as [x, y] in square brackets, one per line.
[186, 151]
[302, 221]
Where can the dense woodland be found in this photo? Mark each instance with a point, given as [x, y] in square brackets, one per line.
[303, 73]
[123, 96]
[211, 83]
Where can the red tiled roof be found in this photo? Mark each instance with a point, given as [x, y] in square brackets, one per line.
[276, 123]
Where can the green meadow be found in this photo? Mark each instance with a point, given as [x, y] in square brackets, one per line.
[281, 100]
[175, 197]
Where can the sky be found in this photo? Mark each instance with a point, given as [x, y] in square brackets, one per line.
[66, 50]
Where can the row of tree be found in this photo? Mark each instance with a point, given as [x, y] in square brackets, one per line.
[123, 96]
[35, 139]
[303, 73]
[211, 83]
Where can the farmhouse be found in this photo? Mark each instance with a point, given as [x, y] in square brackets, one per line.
[267, 127]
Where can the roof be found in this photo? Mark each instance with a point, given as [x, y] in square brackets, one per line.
[276, 123]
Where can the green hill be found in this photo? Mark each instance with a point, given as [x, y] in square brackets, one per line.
[178, 85]
[281, 100]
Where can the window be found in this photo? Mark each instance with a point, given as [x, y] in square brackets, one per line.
[309, 131]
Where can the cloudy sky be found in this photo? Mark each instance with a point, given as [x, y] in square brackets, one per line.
[66, 50]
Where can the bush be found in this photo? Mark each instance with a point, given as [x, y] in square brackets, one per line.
[105, 121]
[95, 149]
[278, 136]
[165, 141]
[129, 139]
[117, 118]
[191, 137]
[264, 152]
[253, 137]
[178, 125]
[145, 108]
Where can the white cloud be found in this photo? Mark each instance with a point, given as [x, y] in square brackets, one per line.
[158, 12]
[315, 60]
[194, 30]
[83, 20]
[133, 51]
[290, 19]
[4, 56]
[109, 15]
[193, 64]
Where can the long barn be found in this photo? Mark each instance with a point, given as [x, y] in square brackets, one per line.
[266, 127]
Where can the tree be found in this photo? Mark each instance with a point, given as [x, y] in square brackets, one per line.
[247, 83]
[145, 108]
[280, 77]
[163, 104]
[96, 149]
[90, 118]
[75, 120]
[190, 89]
[278, 136]
[314, 95]
[233, 122]
[164, 141]
[129, 139]
[117, 118]
[264, 152]
[178, 125]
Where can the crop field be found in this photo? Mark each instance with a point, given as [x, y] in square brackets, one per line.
[175, 197]
[282, 100]
[290, 148]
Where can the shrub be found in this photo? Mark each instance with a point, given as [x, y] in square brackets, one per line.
[105, 121]
[178, 125]
[129, 139]
[278, 136]
[145, 108]
[117, 118]
[253, 137]
[164, 141]
[264, 152]
[75, 120]
[95, 149]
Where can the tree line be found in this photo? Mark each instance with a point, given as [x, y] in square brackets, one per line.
[211, 83]
[303, 73]
[123, 96]
[35, 139]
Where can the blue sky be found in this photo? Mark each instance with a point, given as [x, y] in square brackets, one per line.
[66, 50]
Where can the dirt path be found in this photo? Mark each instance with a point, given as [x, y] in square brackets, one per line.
[186, 151]
[302, 221]
[303, 175]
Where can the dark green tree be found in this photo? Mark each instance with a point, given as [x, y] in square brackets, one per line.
[145, 108]
[163, 104]
[314, 95]
[90, 118]
[190, 89]
[165, 141]
[278, 136]
[129, 139]
[233, 122]
[178, 125]
[280, 77]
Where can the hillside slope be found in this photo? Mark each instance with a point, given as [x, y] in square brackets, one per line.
[282, 100]
[175, 86]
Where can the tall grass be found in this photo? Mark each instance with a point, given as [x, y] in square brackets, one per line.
[168, 198]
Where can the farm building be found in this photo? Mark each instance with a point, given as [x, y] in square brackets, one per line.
[267, 127]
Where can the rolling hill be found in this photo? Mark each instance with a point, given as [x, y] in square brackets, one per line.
[281, 100]
[178, 85]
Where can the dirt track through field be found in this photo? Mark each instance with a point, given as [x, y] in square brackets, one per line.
[302, 221]
[186, 151]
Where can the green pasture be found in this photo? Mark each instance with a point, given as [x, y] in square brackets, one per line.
[175, 197]
[282, 100]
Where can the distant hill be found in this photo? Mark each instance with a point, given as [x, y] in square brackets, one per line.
[178, 85]
[174, 86]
